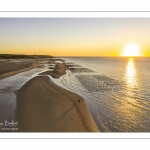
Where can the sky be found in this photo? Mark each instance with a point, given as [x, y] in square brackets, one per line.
[73, 36]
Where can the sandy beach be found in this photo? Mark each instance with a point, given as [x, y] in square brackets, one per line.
[11, 67]
[59, 70]
[43, 106]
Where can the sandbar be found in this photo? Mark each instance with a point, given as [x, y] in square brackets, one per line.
[43, 106]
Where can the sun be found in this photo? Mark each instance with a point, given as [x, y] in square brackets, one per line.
[131, 50]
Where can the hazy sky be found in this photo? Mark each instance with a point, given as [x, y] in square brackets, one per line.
[73, 36]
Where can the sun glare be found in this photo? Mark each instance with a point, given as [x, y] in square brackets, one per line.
[131, 50]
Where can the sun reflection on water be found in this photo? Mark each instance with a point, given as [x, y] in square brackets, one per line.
[130, 74]
[131, 81]
[130, 104]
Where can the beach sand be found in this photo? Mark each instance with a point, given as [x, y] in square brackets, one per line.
[43, 106]
[10, 67]
[59, 70]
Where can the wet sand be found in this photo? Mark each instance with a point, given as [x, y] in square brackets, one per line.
[43, 106]
[59, 70]
[12, 67]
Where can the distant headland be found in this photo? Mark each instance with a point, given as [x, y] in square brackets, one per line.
[20, 56]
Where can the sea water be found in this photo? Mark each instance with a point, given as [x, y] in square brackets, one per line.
[116, 90]
[8, 88]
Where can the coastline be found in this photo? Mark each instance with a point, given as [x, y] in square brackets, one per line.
[43, 106]
[15, 68]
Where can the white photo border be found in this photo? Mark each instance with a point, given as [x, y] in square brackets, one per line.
[63, 14]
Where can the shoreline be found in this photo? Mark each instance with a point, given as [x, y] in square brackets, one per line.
[8, 74]
[43, 106]
[12, 68]
[51, 109]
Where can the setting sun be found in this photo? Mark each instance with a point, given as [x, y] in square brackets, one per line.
[131, 50]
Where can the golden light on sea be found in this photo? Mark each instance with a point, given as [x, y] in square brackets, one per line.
[131, 80]
[131, 74]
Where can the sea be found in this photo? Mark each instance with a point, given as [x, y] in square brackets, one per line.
[116, 90]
